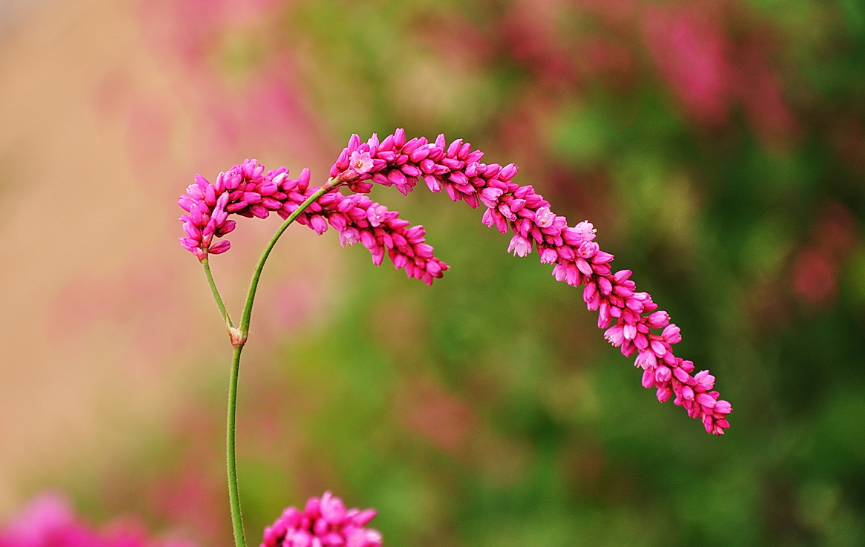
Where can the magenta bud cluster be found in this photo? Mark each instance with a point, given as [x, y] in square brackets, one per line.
[631, 320]
[245, 190]
[324, 522]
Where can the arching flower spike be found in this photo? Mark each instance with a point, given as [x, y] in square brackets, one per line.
[630, 319]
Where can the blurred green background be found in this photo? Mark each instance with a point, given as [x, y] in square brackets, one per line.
[717, 146]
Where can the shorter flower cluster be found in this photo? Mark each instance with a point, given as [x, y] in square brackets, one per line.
[243, 190]
[324, 522]
[248, 191]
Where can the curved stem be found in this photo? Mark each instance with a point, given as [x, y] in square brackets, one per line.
[216, 296]
[233, 493]
[238, 339]
[256, 274]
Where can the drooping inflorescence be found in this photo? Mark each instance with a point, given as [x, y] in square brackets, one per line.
[632, 320]
[324, 522]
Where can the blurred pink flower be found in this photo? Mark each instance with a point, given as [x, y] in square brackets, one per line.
[691, 50]
[816, 266]
[760, 91]
[814, 276]
[431, 411]
[261, 104]
[49, 522]
[709, 70]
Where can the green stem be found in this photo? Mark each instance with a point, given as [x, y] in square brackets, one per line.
[256, 274]
[238, 339]
[216, 296]
[233, 493]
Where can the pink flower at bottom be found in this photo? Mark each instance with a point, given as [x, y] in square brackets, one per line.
[49, 522]
[324, 522]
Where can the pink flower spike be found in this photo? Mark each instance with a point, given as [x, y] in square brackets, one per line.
[630, 317]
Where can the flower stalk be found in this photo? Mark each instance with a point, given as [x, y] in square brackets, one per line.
[231, 458]
[205, 263]
[238, 337]
[259, 266]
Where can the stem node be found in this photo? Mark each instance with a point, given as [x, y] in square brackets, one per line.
[238, 337]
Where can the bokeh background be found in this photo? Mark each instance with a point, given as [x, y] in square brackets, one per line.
[717, 145]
